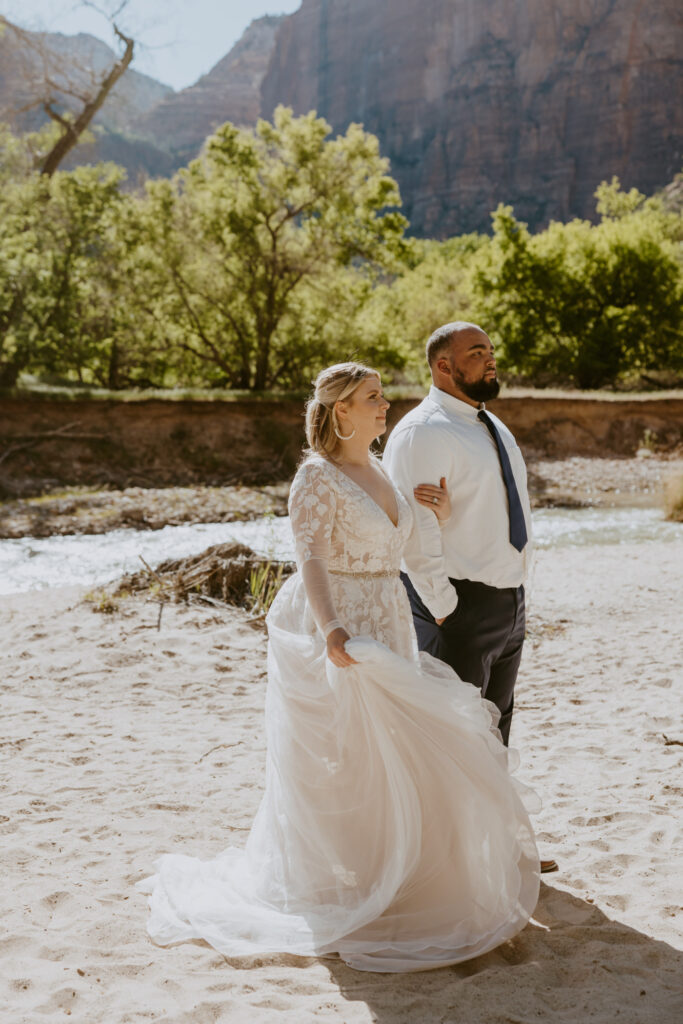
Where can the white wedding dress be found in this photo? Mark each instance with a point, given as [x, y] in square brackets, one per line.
[390, 831]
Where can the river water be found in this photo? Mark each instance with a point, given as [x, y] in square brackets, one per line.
[32, 563]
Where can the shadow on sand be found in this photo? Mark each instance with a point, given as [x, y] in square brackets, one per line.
[570, 964]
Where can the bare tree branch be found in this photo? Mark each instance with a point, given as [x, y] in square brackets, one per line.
[76, 128]
[51, 112]
[46, 79]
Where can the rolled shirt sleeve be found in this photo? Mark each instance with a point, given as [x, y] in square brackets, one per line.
[412, 457]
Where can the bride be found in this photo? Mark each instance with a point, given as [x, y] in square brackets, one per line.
[390, 831]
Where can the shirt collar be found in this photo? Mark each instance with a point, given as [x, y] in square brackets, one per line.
[453, 405]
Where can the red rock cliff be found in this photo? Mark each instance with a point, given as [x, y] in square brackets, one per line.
[530, 102]
[229, 92]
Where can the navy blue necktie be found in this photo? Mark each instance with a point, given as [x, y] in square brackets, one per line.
[518, 534]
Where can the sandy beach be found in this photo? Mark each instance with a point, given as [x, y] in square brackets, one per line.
[120, 742]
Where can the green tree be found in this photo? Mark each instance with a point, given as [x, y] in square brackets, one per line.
[69, 276]
[75, 312]
[21, 198]
[435, 289]
[59, 258]
[259, 255]
[586, 303]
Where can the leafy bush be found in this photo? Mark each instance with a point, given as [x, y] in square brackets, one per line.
[587, 303]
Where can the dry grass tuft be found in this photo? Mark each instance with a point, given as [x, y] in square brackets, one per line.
[673, 496]
[103, 602]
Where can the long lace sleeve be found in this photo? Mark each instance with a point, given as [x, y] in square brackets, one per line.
[312, 508]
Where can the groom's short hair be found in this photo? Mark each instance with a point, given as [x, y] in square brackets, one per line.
[441, 338]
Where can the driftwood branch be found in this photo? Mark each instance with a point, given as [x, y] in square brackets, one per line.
[205, 599]
[653, 382]
[219, 746]
[224, 576]
[163, 595]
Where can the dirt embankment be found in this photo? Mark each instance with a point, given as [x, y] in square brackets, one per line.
[49, 443]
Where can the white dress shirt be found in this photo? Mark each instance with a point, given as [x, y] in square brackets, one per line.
[444, 437]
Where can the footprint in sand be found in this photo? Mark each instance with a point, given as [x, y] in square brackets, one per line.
[65, 1000]
[20, 984]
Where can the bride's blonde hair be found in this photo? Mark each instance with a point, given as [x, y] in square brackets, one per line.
[335, 384]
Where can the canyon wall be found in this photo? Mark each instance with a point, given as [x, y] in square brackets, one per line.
[478, 102]
[475, 102]
[229, 92]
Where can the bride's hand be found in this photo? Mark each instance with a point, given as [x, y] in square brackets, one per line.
[426, 495]
[335, 648]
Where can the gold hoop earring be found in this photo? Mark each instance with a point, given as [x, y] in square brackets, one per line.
[347, 437]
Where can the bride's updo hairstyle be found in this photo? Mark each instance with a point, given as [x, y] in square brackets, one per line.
[335, 384]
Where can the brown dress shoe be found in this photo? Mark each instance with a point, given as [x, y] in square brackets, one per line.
[548, 865]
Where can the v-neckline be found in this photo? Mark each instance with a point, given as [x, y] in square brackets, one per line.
[367, 494]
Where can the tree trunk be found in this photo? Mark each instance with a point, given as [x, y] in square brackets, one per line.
[9, 373]
[262, 364]
[74, 129]
[113, 371]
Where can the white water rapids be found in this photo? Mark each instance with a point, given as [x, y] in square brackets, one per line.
[32, 563]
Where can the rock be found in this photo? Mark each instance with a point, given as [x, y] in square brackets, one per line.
[72, 61]
[530, 103]
[229, 92]
[476, 103]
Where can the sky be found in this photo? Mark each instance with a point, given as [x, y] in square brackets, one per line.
[177, 41]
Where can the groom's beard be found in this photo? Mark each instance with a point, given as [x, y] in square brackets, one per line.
[478, 390]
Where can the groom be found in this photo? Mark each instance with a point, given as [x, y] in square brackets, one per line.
[465, 577]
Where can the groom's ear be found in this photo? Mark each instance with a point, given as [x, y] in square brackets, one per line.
[443, 365]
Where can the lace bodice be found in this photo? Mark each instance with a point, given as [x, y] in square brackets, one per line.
[334, 518]
[338, 527]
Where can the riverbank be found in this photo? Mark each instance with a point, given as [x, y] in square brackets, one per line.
[575, 482]
[126, 742]
[51, 443]
[84, 511]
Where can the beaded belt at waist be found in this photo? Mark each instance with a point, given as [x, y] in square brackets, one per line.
[383, 572]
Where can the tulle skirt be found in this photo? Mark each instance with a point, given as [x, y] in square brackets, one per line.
[391, 831]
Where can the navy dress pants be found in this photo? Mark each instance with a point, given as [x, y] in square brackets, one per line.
[482, 639]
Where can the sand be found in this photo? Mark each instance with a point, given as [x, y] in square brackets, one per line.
[120, 742]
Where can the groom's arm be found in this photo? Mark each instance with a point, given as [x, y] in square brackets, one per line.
[415, 455]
